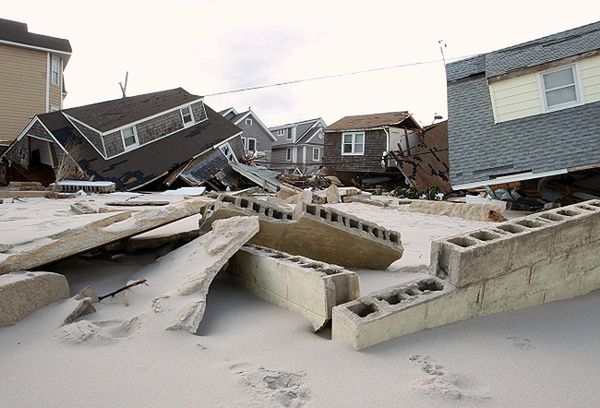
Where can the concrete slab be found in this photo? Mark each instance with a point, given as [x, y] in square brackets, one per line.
[299, 284]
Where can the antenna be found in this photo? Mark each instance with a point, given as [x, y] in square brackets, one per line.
[124, 87]
[442, 46]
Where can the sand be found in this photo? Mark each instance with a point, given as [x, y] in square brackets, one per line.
[251, 353]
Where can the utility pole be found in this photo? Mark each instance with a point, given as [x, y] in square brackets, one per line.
[124, 87]
[442, 46]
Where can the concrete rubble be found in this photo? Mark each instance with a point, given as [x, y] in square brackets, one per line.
[218, 246]
[320, 233]
[23, 293]
[93, 235]
[528, 261]
[296, 283]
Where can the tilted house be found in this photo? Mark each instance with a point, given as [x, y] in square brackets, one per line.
[358, 146]
[299, 146]
[31, 76]
[525, 112]
[132, 141]
[256, 137]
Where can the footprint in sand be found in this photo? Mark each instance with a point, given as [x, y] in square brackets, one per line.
[438, 381]
[285, 389]
[99, 332]
[521, 343]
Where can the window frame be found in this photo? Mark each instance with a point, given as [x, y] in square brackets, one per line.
[227, 151]
[192, 120]
[280, 132]
[135, 135]
[248, 121]
[576, 83]
[318, 151]
[288, 135]
[54, 60]
[288, 154]
[353, 152]
[247, 144]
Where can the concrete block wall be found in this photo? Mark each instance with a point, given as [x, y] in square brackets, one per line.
[536, 259]
[296, 283]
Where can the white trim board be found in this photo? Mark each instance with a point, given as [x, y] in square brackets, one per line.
[509, 179]
[33, 47]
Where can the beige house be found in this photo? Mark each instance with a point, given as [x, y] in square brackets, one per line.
[31, 76]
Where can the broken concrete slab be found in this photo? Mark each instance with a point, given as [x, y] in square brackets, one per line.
[528, 261]
[96, 234]
[299, 284]
[313, 231]
[474, 212]
[22, 293]
[83, 305]
[82, 208]
[218, 246]
[359, 198]
[333, 194]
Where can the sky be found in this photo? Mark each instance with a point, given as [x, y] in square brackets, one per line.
[212, 46]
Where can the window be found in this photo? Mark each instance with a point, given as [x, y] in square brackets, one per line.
[248, 121]
[560, 88]
[353, 143]
[186, 116]
[281, 132]
[288, 135]
[228, 152]
[316, 154]
[55, 71]
[251, 144]
[129, 136]
[288, 154]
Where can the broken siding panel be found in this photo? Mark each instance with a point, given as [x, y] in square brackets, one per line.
[19, 153]
[590, 78]
[516, 98]
[93, 136]
[198, 111]
[23, 82]
[38, 131]
[114, 144]
[158, 127]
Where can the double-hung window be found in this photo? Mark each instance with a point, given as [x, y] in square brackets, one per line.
[129, 136]
[353, 143]
[560, 88]
[316, 154]
[251, 144]
[55, 71]
[186, 116]
[281, 132]
[288, 154]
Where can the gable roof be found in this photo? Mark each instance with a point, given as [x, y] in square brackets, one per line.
[148, 162]
[308, 130]
[234, 117]
[105, 116]
[375, 120]
[529, 54]
[16, 32]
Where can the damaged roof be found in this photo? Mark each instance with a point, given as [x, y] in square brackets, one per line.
[529, 54]
[375, 120]
[17, 32]
[147, 163]
[108, 115]
[428, 166]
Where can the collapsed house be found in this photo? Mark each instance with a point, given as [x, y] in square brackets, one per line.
[169, 137]
[528, 112]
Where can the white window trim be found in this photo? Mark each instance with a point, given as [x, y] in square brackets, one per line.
[281, 132]
[354, 143]
[578, 89]
[137, 140]
[288, 154]
[289, 135]
[318, 151]
[247, 144]
[224, 146]
[188, 124]
[52, 61]
[248, 121]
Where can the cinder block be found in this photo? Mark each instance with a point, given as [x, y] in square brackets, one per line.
[302, 285]
[508, 292]
[548, 272]
[534, 243]
[454, 306]
[566, 289]
[574, 231]
[583, 259]
[590, 281]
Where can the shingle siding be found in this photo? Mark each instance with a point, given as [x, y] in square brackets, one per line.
[38, 130]
[478, 148]
[198, 111]
[370, 162]
[19, 153]
[158, 127]
[92, 136]
[263, 139]
[114, 144]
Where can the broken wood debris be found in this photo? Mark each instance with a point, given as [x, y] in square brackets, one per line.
[142, 281]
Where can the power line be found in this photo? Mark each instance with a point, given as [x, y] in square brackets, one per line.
[338, 75]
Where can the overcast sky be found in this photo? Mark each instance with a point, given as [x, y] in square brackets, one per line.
[209, 46]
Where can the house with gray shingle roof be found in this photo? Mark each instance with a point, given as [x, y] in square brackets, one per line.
[299, 146]
[256, 137]
[526, 112]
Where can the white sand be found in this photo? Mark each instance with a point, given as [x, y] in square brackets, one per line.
[252, 353]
